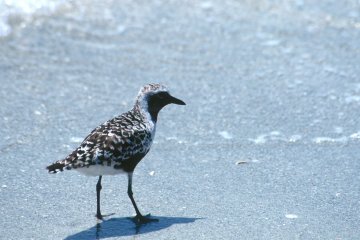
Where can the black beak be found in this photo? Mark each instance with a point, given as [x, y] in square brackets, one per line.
[175, 100]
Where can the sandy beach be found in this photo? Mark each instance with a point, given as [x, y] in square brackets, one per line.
[267, 146]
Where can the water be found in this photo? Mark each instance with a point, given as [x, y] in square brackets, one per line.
[15, 13]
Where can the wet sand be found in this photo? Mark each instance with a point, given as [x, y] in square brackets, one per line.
[267, 146]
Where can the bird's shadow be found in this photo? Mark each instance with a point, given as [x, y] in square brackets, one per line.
[119, 227]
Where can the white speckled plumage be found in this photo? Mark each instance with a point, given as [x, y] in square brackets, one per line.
[117, 145]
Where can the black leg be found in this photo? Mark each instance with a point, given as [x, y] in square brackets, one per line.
[130, 193]
[98, 189]
[139, 218]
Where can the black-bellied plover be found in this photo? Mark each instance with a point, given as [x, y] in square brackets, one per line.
[119, 144]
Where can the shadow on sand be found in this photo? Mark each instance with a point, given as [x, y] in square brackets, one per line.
[118, 227]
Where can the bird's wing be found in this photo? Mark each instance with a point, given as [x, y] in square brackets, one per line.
[105, 145]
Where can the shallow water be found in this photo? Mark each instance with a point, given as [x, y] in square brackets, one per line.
[267, 146]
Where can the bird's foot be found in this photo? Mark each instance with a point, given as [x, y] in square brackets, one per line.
[140, 219]
[101, 217]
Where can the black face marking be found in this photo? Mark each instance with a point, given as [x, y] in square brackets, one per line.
[156, 102]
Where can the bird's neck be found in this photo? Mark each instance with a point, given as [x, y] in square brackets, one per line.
[149, 120]
[148, 114]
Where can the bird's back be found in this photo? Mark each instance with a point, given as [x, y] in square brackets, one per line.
[113, 147]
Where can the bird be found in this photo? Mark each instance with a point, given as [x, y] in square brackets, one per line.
[119, 144]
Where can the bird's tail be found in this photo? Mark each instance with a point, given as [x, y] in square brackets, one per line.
[56, 166]
[61, 164]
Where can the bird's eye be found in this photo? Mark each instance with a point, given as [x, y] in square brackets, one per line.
[162, 95]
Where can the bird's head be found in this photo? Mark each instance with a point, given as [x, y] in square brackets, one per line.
[153, 97]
